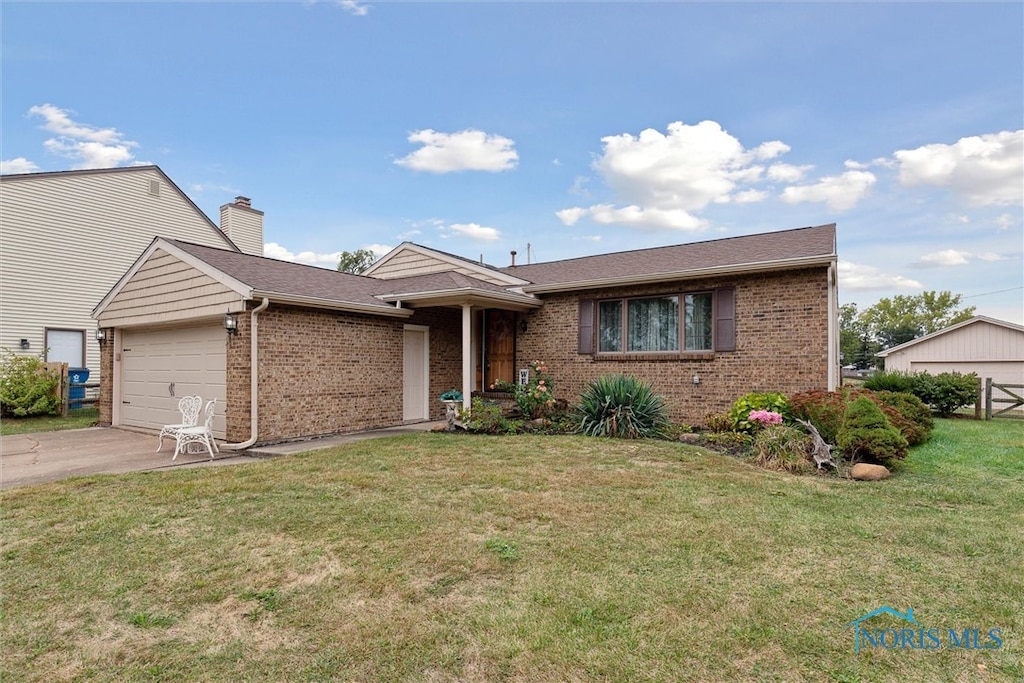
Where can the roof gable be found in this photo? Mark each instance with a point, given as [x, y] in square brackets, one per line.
[62, 178]
[978, 319]
[410, 260]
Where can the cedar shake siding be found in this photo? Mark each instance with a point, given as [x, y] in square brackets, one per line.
[781, 343]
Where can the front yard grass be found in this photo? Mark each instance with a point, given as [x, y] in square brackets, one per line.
[77, 419]
[528, 558]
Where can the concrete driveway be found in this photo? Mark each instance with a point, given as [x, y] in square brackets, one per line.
[50, 456]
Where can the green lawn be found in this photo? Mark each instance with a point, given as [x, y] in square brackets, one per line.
[464, 558]
[77, 419]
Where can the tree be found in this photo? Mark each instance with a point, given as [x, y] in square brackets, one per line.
[356, 262]
[856, 346]
[892, 322]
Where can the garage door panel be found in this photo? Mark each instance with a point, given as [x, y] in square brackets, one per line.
[158, 367]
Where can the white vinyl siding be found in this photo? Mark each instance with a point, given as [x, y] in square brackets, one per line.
[68, 238]
[989, 350]
[158, 367]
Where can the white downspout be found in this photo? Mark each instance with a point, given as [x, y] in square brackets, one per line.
[253, 382]
[833, 331]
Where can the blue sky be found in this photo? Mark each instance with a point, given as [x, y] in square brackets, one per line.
[575, 128]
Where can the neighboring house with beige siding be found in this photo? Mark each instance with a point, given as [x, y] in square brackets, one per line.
[316, 352]
[67, 237]
[988, 347]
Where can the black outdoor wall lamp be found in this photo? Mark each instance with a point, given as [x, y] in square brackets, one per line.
[101, 335]
[523, 326]
[231, 323]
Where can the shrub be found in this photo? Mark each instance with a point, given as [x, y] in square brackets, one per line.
[944, 393]
[717, 422]
[866, 433]
[486, 418]
[27, 387]
[895, 380]
[757, 401]
[621, 406]
[534, 399]
[907, 413]
[782, 447]
[823, 409]
[948, 392]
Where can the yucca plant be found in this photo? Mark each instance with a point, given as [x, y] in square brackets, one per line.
[621, 406]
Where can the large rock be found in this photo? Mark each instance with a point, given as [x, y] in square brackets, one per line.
[865, 472]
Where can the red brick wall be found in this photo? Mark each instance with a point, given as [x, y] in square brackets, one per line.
[781, 344]
[323, 372]
[105, 400]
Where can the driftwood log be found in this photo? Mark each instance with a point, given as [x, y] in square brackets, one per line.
[821, 452]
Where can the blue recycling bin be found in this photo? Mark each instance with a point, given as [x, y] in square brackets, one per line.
[77, 377]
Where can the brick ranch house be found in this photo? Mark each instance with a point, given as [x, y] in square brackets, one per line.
[319, 352]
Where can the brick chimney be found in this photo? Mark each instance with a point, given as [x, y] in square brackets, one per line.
[243, 225]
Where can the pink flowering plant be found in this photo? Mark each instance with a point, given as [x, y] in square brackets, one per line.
[535, 398]
[765, 417]
[755, 411]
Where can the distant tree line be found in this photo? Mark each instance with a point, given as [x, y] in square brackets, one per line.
[895, 321]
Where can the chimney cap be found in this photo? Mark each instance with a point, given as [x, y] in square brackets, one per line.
[243, 201]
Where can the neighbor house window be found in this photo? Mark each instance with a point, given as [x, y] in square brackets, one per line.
[656, 324]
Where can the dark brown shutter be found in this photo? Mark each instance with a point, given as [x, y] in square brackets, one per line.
[586, 338]
[725, 319]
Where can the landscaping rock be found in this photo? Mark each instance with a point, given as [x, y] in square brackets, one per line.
[865, 472]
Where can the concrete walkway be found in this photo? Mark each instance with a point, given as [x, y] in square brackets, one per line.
[41, 457]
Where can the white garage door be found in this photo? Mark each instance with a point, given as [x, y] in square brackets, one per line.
[158, 367]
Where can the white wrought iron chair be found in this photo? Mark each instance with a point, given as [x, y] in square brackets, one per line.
[189, 407]
[200, 434]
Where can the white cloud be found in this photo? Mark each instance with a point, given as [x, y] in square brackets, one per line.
[858, 277]
[571, 216]
[19, 165]
[309, 258]
[946, 257]
[662, 179]
[468, 150]
[474, 231]
[579, 186]
[88, 146]
[687, 168]
[984, 170]
[354, 8]
[749, 196]
[634, 216]
[838, 192]
[1005, 220]
[787, 173]
[991, 256]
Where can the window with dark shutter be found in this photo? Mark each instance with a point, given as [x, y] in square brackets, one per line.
[586, 337]
[725, 319]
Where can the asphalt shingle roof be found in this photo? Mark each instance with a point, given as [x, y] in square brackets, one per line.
[292, 279]
[732, 251]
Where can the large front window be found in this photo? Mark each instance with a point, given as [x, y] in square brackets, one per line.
[653, 324]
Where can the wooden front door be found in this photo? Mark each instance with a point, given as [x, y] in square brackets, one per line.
[500, 349]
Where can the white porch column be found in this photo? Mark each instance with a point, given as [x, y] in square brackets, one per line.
[467, 355]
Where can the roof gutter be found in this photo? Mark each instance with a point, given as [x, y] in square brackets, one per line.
[333, 304]
[481, 296]
[254, 404]
[690, 274]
